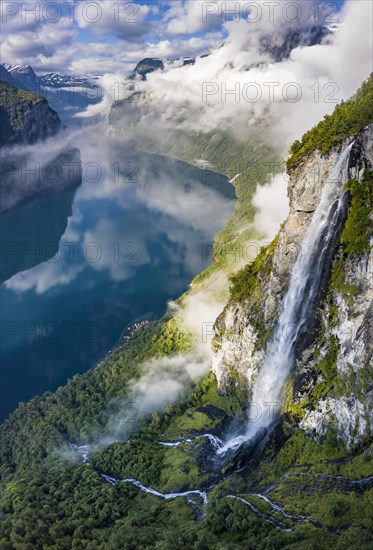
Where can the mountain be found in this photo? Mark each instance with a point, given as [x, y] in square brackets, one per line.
[6, 76]
[56, 80]
[107, 475]
[25, 76]
[146, 66]
[280, 46]
[68, 94]
[151, 64]
[27, 119]
[277, 46]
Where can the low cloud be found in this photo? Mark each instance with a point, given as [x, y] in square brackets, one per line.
[242, 87]
[273, 206]
[163, 382]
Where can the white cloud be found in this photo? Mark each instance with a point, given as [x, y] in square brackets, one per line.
[44, 277]
[272, 204]
[190, 17]
[66, 37]
[128, 21]
[42, 41]
[289, 96]
[163, 382]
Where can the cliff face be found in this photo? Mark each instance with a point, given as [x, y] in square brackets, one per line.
[40, 123]
[331, 382]
[25, 117]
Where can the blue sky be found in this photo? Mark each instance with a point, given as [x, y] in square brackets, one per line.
[102, 36]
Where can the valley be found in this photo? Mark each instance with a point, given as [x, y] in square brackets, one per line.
[187, 354]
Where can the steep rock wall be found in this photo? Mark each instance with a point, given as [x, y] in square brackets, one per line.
[346, 400]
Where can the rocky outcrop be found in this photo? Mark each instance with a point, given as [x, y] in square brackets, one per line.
[344, 401]
[280, 46]
[349, 408]
[146, 66]
[25, 117]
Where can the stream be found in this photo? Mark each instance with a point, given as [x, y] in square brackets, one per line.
[300, 299]
[277, 509]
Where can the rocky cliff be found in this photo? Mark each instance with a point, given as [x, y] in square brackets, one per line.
[25, 117]
[331, 382]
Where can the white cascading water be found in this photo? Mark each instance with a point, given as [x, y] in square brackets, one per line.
[304, 283]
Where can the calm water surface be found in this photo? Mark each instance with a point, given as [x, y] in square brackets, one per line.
[80, 266]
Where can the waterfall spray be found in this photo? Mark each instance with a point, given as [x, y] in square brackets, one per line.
[298, 301]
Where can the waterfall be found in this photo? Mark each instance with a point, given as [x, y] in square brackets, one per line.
[297, 304]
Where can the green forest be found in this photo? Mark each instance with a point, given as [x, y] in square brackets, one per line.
[17, 103]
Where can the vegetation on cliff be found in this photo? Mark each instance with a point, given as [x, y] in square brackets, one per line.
[346, 119]
[25, 117]
[354, 243]
[251, 277]
[358, 229]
